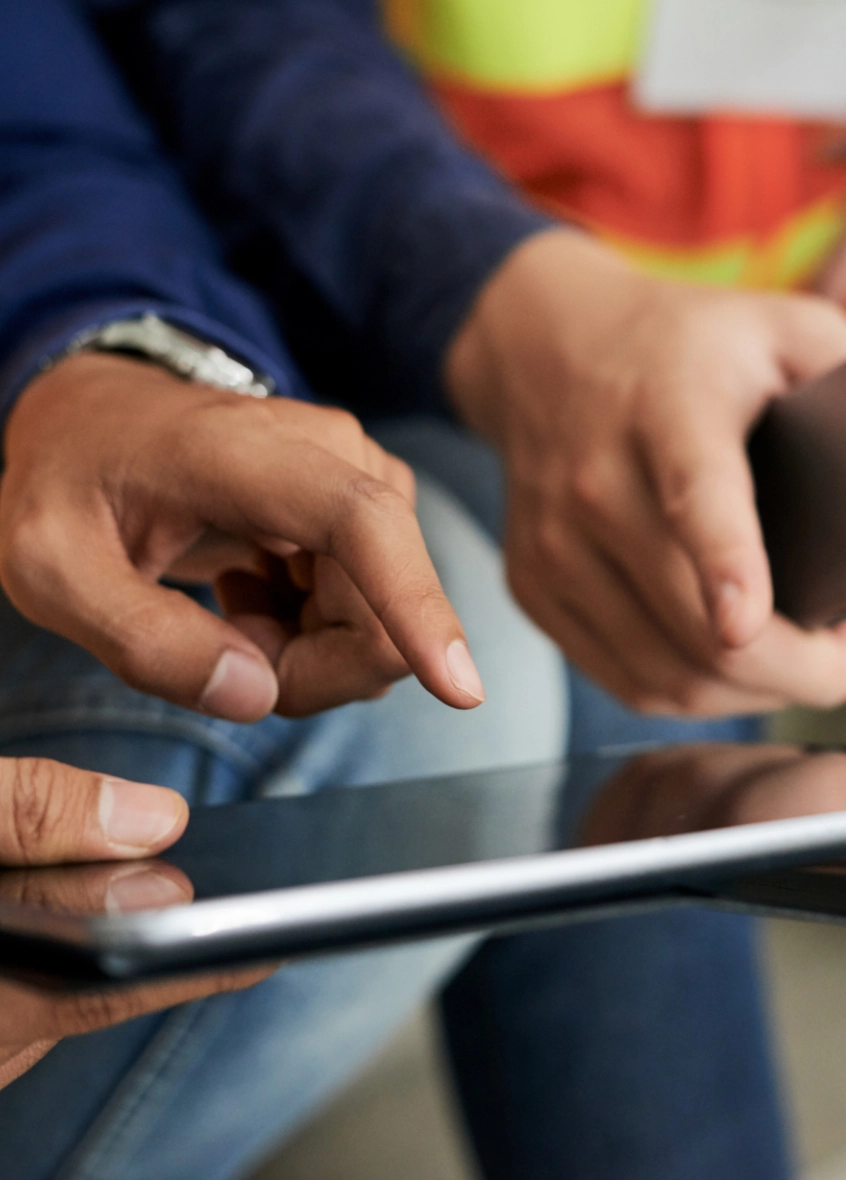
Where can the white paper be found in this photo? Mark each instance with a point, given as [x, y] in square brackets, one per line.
[771, 56]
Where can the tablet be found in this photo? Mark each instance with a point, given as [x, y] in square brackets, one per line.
[755, 827]
[797, 452]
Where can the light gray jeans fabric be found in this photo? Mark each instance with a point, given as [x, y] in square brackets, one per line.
[199, 1093]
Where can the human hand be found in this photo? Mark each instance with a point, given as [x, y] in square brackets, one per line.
[621, 404]
[678, 789]
[51, 814]
[118, 474]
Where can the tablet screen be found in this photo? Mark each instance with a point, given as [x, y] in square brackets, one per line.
[757, 825]
[341, 834]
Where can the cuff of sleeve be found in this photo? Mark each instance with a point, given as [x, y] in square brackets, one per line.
[452, 296]
[457, 242]
[53, 337]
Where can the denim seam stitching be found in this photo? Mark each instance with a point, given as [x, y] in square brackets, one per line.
[101, 1140]
[86, 717]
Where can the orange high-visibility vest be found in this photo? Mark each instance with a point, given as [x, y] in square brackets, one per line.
[541, 88]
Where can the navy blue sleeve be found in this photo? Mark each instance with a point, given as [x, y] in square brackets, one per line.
[297, 117]
[94, 224]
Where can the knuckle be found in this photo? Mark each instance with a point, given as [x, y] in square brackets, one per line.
[347, 432]
[34, 785]
[86, 1011]
[592, 485]
[365, 497]
[677, 491]
[345, 422]
[402, 478]
[222, 426]
[25, 550]
[215, 415]
[369, 489]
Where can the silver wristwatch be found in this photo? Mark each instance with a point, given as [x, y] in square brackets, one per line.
[175, 350]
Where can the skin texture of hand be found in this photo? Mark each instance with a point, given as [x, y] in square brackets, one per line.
[118, 474]
[621, 404]
[51, 814]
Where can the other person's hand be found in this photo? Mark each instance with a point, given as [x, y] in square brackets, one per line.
[678, 789]
[118, 474]
[53, 814]
[621, 404]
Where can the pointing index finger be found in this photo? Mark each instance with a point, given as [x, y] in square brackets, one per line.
[284, 490]
[381, 547]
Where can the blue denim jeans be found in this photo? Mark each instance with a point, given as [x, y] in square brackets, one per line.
[634, 1049]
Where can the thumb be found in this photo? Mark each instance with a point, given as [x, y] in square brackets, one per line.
[51, 813]
[155, 639]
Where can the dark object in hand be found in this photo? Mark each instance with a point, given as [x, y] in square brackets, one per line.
[798, 457]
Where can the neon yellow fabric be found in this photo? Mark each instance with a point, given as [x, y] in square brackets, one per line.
[530, 46]
[788, 260]
[502, 67]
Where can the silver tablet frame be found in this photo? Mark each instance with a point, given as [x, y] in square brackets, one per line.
[487, 896]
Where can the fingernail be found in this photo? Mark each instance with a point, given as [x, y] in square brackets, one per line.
[136, 817]
[241, 688]
[463, 671]
[143, 889]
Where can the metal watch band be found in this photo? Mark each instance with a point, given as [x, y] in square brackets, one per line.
[175, 350]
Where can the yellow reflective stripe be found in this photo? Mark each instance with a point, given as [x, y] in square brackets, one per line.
[787, 260]
[534, 46]
[802, 246]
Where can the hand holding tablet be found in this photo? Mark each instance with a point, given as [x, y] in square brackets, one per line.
[51, 814]
[343, 869]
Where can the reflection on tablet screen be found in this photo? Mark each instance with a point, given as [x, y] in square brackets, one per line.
[344, 834]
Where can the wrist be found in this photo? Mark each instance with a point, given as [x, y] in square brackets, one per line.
[44, 342]
[532, 313]
[82, 397]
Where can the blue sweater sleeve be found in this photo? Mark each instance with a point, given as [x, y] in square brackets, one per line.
[296, 118]
[93, 223]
